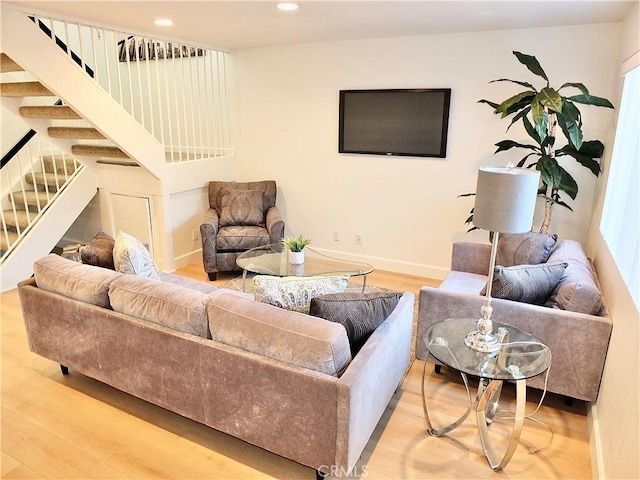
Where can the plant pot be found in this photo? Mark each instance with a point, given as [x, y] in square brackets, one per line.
[295, 258]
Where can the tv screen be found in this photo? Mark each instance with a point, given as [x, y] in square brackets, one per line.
[394, 122]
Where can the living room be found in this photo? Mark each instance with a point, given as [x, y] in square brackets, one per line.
[407, 210]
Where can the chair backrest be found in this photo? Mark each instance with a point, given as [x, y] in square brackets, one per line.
[267, 187]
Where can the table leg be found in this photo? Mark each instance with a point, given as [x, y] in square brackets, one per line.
[437, 432]
[244, 279]
[485, 406]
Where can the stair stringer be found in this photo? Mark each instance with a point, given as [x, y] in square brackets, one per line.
[37, 54]
[40, 240]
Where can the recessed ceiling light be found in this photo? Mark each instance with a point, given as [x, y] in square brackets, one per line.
[163, 22]
[288, 6]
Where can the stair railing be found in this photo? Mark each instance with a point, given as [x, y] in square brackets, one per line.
[30, 173]
[177, 92]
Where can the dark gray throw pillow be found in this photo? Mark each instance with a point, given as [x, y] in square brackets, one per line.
[526, 283]
[529, 248]
[99, 251]
[359, 313]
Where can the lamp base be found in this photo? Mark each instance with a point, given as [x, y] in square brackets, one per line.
[482, 342]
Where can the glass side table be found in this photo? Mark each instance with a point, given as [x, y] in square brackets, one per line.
[522, 356]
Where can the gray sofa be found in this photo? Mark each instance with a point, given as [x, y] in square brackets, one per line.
[578, 340]
[278, 379]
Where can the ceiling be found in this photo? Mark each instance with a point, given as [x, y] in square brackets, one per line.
[244, 24]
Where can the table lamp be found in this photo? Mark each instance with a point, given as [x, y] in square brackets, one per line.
[505, 202]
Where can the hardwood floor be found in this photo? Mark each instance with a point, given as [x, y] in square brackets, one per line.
[75, 427]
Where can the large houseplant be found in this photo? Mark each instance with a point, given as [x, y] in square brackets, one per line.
[541, 113]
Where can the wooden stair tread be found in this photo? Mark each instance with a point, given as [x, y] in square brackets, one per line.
[60, 163]
[54, 112]
[42, 178]
[75, 132]
[17, 218]
[13, 236]
[24, 89]
[32, 198]
[8, 65]
[98, 151]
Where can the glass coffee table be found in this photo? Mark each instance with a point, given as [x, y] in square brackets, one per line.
[272, 260]
[521, 356]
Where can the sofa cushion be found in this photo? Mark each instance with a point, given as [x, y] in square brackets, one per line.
[286, 336]
[167, 304]
[131, 257]
[187, 282]
[240, 207]
[359, 313]
[528, 248]
[74, 280]
[464, 282]
[578, 289]
[99, 251]
[295, 293]
[526, 283]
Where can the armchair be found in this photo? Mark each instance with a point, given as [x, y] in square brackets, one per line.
[241, 216]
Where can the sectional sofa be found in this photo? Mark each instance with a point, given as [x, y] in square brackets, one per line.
[282, 380]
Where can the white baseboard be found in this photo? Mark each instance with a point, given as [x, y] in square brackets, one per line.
[597, 458]
[187, 258]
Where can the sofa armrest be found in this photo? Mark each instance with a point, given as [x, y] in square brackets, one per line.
[371, 379]
[471, 257]
[208, 232]
[578, 341]
[275, 225]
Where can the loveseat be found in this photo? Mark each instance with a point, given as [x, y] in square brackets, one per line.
[282, 380]
[573, 321]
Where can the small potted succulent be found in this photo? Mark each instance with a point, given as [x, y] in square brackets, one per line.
[296, 248]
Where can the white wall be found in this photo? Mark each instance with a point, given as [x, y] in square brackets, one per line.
[406, 209]
[615, 417]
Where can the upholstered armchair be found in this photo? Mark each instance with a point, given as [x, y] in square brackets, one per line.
[241, 216]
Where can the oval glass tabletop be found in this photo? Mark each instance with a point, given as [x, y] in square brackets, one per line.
[272, 260]
[521, 356]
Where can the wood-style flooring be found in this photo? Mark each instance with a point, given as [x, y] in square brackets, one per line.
[73, 427]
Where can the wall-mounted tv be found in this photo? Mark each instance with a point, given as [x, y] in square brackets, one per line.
[409, 122]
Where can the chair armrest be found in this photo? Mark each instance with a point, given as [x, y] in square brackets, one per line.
[208, 231]
[471, 257]
[578, 341]
[275, 225]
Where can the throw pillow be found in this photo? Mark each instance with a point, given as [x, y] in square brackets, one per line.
[240, 207]
[99, 251]
[360, 313]
[529, 248]
[130, 256]
[526, 283]
[295, 293]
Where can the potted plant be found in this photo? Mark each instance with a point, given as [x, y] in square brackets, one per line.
[541, 112]
[296, 246]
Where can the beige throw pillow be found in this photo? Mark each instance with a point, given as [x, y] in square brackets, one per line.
[295, 293]
[131, 257]
[240, 207]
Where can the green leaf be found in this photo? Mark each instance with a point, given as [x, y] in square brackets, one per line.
[531, 63]
[592, 100]
[524, 84]
[524, 159]
[540, 118]
[512, 104]
[530, 130]
[550, 99]
[493, 105]
[569, 122]
[567, 183]
[467, 195]
[583, 157]
[521, 114]
[509, 144]
[549, 171]
[579, 86]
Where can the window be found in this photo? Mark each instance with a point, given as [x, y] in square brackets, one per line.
[620, 223]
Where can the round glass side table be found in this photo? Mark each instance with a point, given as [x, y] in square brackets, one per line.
[521, 356]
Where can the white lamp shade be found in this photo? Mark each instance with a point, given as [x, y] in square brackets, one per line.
[505, 199]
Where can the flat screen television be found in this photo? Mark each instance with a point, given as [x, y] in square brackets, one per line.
[408, 122]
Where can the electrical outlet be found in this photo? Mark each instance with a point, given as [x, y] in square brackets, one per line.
[336, 235]
[194, 234]
[358, 239]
